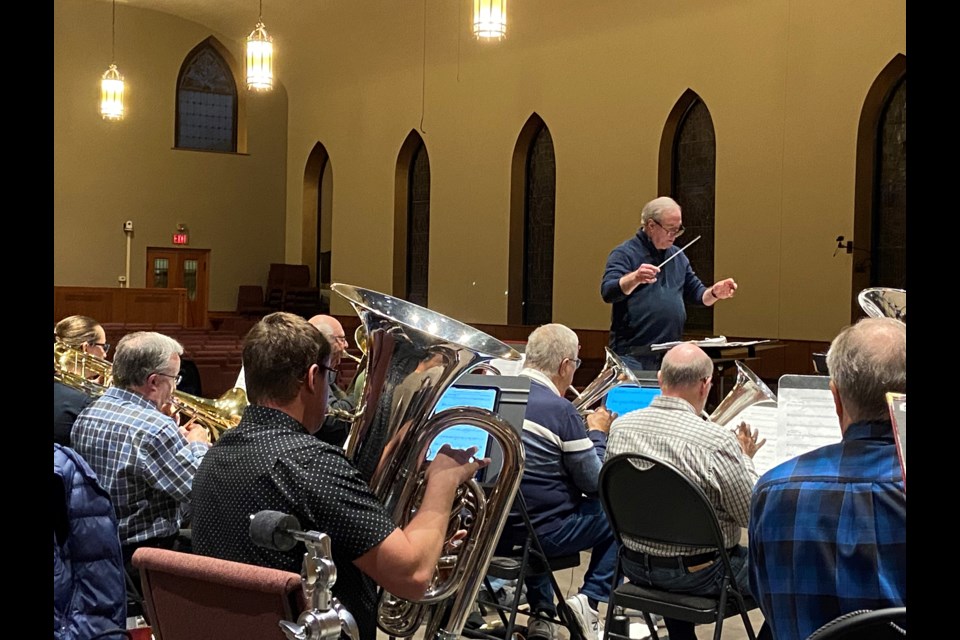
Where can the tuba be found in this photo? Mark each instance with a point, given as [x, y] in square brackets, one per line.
[882, 302]
[216, 415]
[81, 370]
[613, 374]
[748, 390]
[412, 356]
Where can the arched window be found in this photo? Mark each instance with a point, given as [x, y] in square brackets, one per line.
[412, 221]
[207, 101]
[688, 159]
[532, 211]
[880, 201]
[317, 245]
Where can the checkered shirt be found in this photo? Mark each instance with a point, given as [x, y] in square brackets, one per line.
[671, 430]
[141, 459]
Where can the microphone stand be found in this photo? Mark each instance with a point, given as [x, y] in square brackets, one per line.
[325, 617]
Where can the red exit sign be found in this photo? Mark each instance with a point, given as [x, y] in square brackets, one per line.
[180, 238]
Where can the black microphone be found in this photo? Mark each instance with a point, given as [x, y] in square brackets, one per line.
[274, 530]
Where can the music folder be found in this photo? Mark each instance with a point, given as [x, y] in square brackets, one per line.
[897, 403]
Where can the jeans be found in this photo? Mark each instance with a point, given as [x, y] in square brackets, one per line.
[584, 529]
[649, 362]
[705, 582]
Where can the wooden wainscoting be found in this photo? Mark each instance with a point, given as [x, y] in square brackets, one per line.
[116, 305]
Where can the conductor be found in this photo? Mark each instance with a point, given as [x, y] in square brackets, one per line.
[647, 298]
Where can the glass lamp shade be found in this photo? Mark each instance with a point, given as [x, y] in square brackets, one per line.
[111, 94]
[490, 18]
[259, 60]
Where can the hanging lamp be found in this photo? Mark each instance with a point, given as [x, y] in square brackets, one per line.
[489, 19]
[259, 57]
[111, 83]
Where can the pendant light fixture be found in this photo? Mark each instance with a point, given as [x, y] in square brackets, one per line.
[259, 57]
[111, 84]
[489, 19]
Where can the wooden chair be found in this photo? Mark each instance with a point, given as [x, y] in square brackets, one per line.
[191, 596]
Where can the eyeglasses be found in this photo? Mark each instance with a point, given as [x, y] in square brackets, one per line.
[103, 345]
[673, 233]
[176, 379]
[341, 338]
[576, 362]
[330, 369]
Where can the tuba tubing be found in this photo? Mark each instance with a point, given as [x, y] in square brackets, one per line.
[412, 355]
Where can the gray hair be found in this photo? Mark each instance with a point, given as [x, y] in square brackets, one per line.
[141, 354]
[866, 361]
[655, 209]
[682, 368]
[548, 345]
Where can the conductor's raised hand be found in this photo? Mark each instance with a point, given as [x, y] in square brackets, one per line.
[455, 465]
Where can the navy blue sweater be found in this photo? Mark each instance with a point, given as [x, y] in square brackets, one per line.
[652, 313]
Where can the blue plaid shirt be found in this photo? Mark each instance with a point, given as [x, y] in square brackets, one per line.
[828, 533]
[141, 459]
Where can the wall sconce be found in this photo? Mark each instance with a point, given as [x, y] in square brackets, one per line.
[489, 19]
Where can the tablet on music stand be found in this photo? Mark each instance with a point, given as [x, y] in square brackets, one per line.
[629, 397]
[897, 403]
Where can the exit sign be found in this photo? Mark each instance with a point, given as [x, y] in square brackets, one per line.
[180, 238]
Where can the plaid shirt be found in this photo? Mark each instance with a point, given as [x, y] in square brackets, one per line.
[828, 533]
[671, 430]
[141, 459]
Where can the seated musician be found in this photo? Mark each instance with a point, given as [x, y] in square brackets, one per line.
[84, 334]
[560, 480]
[828, 529]
[720, 461]
[144, 460]
[335, 428]
[272, 460]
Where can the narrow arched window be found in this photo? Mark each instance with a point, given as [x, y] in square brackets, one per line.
[412, 221]
[691, 181]
[880, 203]
[206, 101]
[532, 235]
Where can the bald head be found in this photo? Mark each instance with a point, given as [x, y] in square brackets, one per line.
[332, 330]
[865, 362]
[684, 366]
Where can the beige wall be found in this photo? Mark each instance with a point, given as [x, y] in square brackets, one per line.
[784, 81]
[106, 173]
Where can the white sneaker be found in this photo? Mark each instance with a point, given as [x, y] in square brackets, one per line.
[587, 619]
[538, 629]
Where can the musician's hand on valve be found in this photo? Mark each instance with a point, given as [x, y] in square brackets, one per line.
[195, 432]
[600, 420]
[747, 437]
[459, 465]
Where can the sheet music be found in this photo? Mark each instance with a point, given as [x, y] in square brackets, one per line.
[719, 341]
[804, 418]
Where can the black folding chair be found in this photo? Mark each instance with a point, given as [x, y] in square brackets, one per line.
[866, 624]
[656, 502]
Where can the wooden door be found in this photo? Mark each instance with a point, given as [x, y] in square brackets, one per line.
[184, 269]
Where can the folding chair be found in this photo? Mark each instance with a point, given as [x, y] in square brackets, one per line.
[524, 560]
[656, 502]
[866, 624]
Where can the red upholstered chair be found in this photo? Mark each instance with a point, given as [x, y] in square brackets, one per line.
[190, 596]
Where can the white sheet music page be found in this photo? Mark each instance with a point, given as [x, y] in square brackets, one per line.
[807, 417]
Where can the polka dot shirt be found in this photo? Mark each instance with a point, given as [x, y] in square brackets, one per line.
[269, 461]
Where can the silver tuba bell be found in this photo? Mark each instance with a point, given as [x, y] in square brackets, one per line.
[747, 391]
[412, 356]
[613, 374]
[883, 302]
